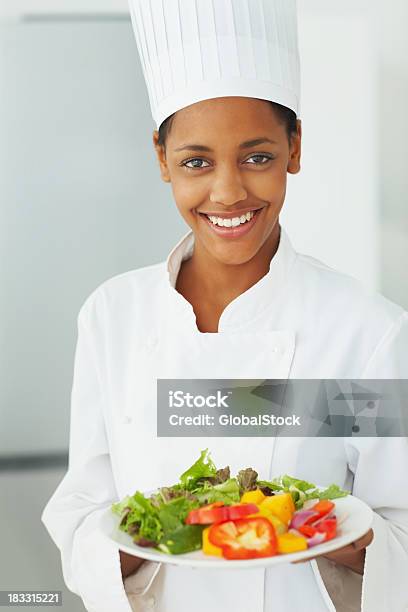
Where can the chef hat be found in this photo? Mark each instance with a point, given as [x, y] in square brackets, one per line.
[193, 50]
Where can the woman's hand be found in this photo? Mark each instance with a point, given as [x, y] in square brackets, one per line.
[351, 556]
[129, 564]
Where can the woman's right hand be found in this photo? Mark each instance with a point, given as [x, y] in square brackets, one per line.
[129, 564]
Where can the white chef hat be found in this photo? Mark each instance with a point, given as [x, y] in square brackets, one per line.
[193, 50]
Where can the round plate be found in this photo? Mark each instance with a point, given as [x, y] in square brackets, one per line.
[354, 516]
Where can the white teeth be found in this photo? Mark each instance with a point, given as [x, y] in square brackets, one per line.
[234, 222]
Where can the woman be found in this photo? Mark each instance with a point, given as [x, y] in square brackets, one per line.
[232, 300]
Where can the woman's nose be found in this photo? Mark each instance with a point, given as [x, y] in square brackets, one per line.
[227, 188]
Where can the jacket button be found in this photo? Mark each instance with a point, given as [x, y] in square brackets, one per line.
[150, 603]
[126, 420]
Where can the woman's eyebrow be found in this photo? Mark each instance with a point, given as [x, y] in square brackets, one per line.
[243, 145]
[194, 148]
[256, 141]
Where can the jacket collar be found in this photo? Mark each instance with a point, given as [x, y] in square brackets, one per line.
[247, 306]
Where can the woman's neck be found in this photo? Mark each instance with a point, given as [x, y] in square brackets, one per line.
[217, 284]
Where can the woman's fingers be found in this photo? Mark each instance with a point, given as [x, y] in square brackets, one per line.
[355, 546]
[345, 551]
[364, 541]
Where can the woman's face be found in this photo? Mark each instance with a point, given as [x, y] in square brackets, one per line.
[215, 170]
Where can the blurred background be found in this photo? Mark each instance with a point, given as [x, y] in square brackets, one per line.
[81, 200]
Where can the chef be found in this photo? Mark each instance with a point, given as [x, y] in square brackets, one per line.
[232, 300]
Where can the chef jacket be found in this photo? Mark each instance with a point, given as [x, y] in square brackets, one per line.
[301, 320]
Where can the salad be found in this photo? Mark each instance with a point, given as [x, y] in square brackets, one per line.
[239, 517]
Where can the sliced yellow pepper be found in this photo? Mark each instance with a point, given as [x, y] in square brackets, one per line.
[252, 497]
[280, 527]
[290, 542]
[281, 505]
[208, 547]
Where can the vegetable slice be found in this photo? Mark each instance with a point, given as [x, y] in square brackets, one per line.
[322, 508]
[185, 538]
[325, 530]
[307, 530]
[217, 512]
[302, 517]
[213, 513]
[281, 505]
[208, 547]
[247, 538]
[318, 538]
[289, 543]
[240, 510]
[253, 497]
[328, 527]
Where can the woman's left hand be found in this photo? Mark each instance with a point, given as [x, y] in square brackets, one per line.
[351, 556]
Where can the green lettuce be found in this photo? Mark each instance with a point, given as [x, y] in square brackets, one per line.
[332, 492]
[183, 539]
[204, 467]
[139, 517]
[226, 492]
[172, 514]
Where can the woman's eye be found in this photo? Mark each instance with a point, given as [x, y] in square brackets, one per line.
[197, 163]
[267, 157]
[196, 159]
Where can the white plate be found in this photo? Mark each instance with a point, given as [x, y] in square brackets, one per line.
[354, 516]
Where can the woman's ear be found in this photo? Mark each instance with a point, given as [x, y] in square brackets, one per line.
[161, 156]
[295, 150]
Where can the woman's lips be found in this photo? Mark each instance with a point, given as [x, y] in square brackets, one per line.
[232, 232]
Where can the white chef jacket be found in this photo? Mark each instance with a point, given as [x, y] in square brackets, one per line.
[301, 320]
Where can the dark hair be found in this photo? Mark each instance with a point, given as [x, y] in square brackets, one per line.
[285, 115]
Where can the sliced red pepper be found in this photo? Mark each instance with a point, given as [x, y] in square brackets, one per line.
[213, 513]
[241, 510]
[323, 507]
[217, 512]
[329, 527]
[246, 538]
[307, 530]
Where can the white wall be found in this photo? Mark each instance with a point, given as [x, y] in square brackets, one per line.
[11, 9]
[385, 25]
[391, 33]
[332, 208]
[80, 197]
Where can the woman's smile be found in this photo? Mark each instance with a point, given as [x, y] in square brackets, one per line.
[231, 225]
